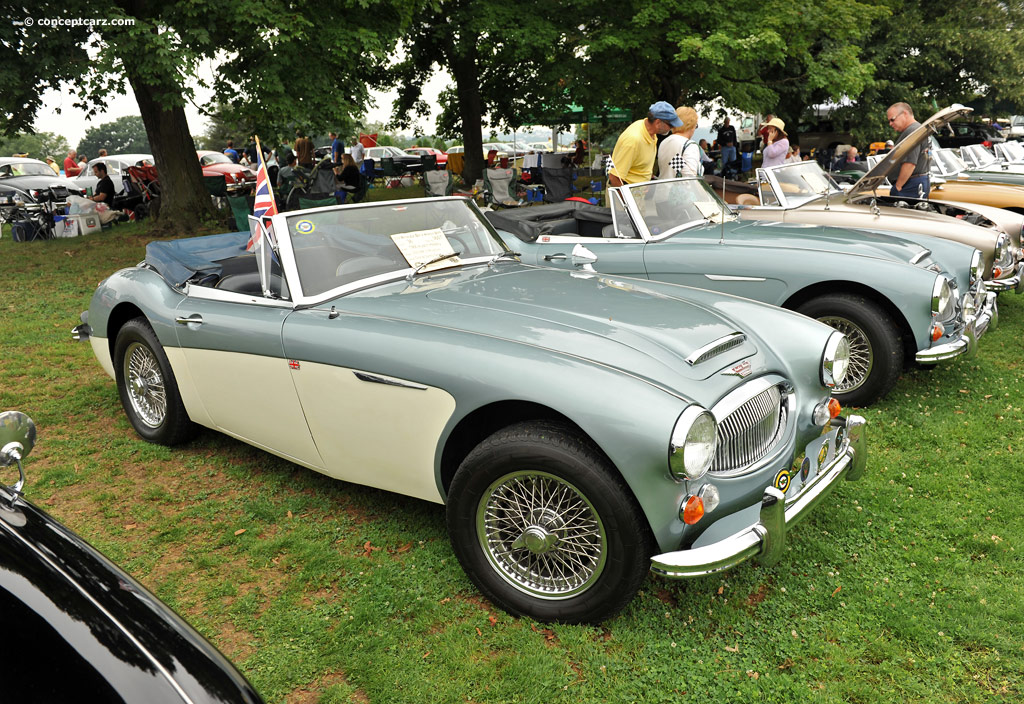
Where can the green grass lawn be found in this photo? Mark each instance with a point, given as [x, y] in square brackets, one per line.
[904, 587]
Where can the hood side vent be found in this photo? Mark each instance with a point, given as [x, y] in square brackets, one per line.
[715, 348]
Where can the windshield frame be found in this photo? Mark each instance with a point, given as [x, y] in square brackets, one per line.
[790, 201]
[627, 193]
[972, 156]
[289, 263]
[944, 169]
[1004, 149]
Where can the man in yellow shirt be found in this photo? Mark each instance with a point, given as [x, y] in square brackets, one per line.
[637, 146]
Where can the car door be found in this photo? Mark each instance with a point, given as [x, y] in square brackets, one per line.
[233, 351]
[371, 425]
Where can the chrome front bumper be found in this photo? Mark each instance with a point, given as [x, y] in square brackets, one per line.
[1013, 283]
[766, 539]
[967, 345]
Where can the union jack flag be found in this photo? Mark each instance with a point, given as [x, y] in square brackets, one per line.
[264, 206]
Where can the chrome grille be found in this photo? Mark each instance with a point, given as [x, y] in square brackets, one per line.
[751, 431]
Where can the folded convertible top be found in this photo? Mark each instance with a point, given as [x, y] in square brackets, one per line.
[179, 260]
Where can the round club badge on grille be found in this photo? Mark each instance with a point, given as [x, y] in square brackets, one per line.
[782, 480]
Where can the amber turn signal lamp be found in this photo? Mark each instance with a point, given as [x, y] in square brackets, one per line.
[937, 331]
[997, 272]
[834, 408]
[693, 510]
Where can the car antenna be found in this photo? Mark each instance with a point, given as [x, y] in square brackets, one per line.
[721, 215]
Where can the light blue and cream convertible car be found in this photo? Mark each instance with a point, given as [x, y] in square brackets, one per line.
[898, 299]
[582, 429]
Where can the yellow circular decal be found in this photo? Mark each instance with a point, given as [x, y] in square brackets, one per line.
[304, 226]
[782, 480]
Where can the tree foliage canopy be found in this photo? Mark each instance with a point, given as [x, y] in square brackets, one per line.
[125, 135]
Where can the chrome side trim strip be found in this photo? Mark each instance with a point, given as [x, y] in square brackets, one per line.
[389, 381]
[724, 277]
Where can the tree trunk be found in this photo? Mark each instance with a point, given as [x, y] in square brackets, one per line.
[184, 200]
[464, 72]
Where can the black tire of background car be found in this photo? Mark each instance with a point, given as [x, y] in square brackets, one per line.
[554, 449]
[883, 336]
[176, 426]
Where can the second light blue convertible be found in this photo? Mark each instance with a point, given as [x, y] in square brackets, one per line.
[896, 299]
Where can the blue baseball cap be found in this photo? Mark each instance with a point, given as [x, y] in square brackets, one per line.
[661, 110]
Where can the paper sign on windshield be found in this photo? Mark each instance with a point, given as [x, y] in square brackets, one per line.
[710, 210]
[421, 246]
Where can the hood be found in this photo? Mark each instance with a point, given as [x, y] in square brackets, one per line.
[644, 329]
[887, 165]
[27, 183]
[839, 240]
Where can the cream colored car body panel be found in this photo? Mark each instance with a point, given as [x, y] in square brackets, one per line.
[101, 348]
[380, 435]
[266, 414]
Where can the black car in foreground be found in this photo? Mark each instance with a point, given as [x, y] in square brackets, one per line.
[78, 628]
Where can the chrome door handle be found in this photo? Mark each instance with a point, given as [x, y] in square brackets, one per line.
[194, 318]
[560, 257]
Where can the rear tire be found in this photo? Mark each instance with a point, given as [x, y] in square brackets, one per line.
[147, 387]
[546, 528]
[876, 347]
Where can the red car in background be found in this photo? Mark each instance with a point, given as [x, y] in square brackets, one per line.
[442, 158]
[240, 179]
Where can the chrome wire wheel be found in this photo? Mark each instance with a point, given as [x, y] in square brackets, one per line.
[145, 384]
[861, 354]
[541, 534]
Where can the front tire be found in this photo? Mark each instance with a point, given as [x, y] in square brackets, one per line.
[147, 387]
[876, 347]
[546, 528]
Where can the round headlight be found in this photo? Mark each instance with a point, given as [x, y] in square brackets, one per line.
[835, 360]
[1002, 253]
[942, 298]
[977, 264]
[694, 439]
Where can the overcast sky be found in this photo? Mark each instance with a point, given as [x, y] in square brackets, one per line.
[72, 123]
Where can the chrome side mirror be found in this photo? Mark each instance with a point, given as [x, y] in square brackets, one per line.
[17, 438]
[583, 258]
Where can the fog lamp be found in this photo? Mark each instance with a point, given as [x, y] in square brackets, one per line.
[709, 492]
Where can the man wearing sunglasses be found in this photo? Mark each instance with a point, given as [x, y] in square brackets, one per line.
[637, 146]
[912, 180]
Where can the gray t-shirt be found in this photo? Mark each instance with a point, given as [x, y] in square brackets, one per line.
[919, 154]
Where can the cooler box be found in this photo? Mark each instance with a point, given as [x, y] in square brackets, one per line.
[86, 223]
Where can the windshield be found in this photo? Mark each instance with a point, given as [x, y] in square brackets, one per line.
[668, 205]
[948, 161]
[215, 158]
[803, 182]
[1012, 151]
[338, 246]
[25, 168]
[978, 155]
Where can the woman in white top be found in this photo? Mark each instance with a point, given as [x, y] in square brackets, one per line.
[776, 143]
[678, 154]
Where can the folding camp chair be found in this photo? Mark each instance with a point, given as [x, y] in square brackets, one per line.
[456, 162]
[392, 173]
[321, 179]
[499, 188]
[312, 202]
[558, 184]
[217, 187]
[491, 156]
[241, 209]
[429, 162]
[360, 192]
[369, 169]
[438, 183]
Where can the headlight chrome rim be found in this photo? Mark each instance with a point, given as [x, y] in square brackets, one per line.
[694, 441]
[1002, 253]
[943, 306]
[835, 360]
[977, 264]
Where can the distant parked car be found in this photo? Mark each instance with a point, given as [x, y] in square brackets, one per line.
[239, 179]
[959, 134]
[117, 169]
[442, 158]
[79, 628]
[408, 162]
[32, 182]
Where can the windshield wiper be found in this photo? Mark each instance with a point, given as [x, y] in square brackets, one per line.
[506, 254]
[435, 260]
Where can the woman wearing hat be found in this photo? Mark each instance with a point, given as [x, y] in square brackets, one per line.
[678, 154]
[776, 144]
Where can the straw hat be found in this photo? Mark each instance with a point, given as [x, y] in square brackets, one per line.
[777, 124]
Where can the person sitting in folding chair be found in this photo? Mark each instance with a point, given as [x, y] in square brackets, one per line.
[348, 178]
